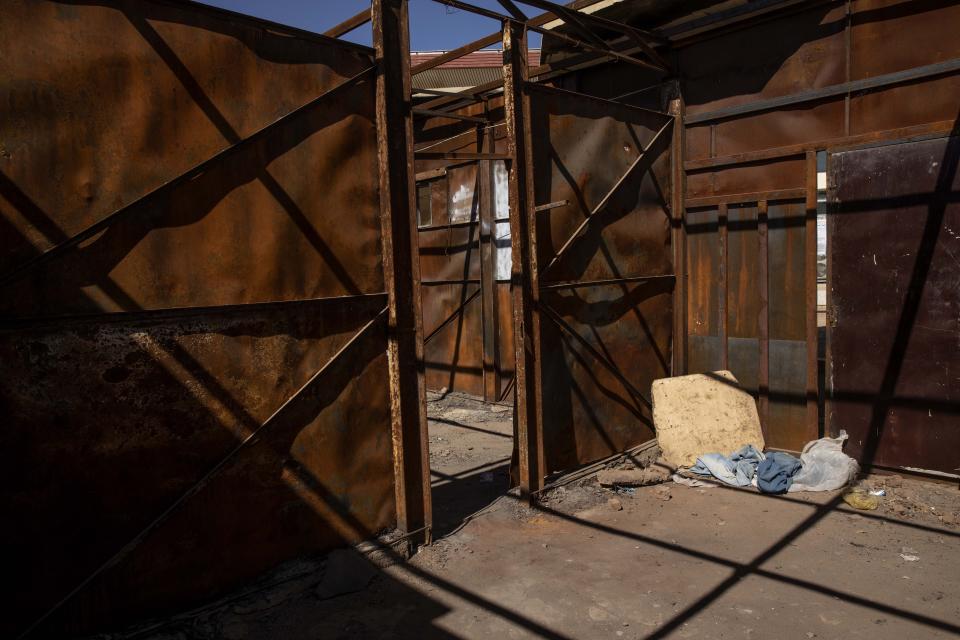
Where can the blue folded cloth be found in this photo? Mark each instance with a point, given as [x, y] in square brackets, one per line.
[775, 473]
[737, 470]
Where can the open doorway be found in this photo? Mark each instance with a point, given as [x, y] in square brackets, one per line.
[464, 250]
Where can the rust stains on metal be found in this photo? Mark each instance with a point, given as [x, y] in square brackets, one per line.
[391, 38]
[528, 414]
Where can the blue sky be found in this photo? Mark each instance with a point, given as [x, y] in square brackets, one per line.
[433, 26]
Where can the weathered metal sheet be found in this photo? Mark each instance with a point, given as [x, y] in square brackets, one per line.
[703, 269]
[764, 342]
[787, 325]
[743, 269]
[113, 422]
[450, 255]
[905, 105]
[895, 303]
[603, 343]
[582, 149]
[799, 51]
[592, 413]
[135, 363]
[108, 79]
[743, 300]
[889, 35]
[768, 176]
[452, 324]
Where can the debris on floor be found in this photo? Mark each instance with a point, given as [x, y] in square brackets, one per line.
[860, 499]
[700, 413]
[654, 474]
[695, 416]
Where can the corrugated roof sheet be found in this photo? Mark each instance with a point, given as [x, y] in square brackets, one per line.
[484, 58]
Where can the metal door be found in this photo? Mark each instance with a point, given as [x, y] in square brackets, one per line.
[893, 328]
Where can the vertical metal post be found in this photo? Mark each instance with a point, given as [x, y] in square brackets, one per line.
[401, 267]
[724, 269]
[488, 281]
[764, 320]
[523, 277]
[678, 235]
[810, 280]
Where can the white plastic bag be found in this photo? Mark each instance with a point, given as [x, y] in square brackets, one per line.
[825, 466]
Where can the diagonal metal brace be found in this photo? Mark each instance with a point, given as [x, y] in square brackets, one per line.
[250, 438]
[606, 198]
[560, 322]
[17, 272]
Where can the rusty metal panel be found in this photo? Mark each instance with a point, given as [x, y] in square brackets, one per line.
[774, 58]
[582, 148]
[892, 35]
[450, 253]
[749, 178]
[703, 269]
[505, 362]
[137, 364]
[905, 105]
[112, 421]
[787, 318]
[895, 303]
[453, 354]
[743, 300]
[787, 246]
[744, 362]
[787, 404]
[132, 76]
[592, 412]
[603, 342]
[781, 128]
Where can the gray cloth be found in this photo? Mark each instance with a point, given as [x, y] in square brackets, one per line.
[736, 470]
[775, 473]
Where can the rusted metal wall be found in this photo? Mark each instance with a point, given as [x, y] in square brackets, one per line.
[467, 319]
[194, 381]
[605, 285]
[894, 310]
[758, 100]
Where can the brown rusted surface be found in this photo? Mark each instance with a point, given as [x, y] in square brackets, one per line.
[895, 303]
[787, 325]
[524, 273]
[401, 268]
[603, 343]
[453, 255]
[110, 80]
[453, 323]
[743, 312]
[137, 364]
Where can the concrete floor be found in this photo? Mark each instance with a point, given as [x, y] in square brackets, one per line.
[675, 562]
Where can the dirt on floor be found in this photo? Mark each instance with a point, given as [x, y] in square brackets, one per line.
[470, 447]
[590, 562]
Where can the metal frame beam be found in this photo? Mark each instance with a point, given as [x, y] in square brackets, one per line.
[349, 25]
[466, 6]
[524, 290]
[401, 267]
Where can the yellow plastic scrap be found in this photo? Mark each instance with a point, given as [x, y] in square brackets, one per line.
[860, 499]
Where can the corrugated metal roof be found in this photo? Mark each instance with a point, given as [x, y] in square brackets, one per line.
[447, 78]
[476, 59]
